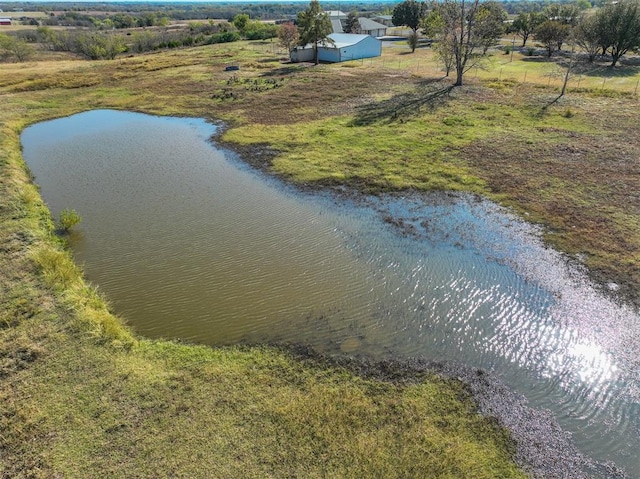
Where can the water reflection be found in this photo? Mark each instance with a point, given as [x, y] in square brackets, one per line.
[188, 243]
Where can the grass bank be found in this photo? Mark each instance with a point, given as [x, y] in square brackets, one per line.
[81, 396]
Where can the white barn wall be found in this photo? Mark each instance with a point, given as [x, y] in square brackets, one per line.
[366, 47]
[346, 47]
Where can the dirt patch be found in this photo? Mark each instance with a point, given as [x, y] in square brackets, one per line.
[311, 95]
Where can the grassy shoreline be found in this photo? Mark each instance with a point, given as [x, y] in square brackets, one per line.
[82, 395]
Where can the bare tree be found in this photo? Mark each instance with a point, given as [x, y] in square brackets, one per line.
[464, 29]
[288, 36]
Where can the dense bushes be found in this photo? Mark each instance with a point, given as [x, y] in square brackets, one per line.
[260, 31]
[15, 48]
[148, 41]
[92, 45]
[106, 45]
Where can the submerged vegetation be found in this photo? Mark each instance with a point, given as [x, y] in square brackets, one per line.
[82, 396]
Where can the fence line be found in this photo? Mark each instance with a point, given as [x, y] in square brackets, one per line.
[419, 66]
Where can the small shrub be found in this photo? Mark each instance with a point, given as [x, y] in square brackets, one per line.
[568, 113]
[530, 51]
[226, 37]
[507, 49]
[457, 121]
[68, 219]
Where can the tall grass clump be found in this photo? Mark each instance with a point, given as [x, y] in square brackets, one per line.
[90, 308]
[57, 267]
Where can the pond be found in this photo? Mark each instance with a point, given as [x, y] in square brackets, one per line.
[188, 242]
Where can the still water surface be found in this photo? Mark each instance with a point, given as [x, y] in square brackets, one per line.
[189, 243]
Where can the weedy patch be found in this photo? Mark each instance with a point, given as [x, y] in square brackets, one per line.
[236, 87]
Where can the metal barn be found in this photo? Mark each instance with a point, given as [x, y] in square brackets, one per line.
[343, 47]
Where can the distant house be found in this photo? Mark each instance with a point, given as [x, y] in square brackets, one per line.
[367, 26]
[371, 27]
[384, 19]
[5, 21]
[336, 14]
[345, 47]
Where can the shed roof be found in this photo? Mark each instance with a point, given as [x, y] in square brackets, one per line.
[342, 40]
[336, 13]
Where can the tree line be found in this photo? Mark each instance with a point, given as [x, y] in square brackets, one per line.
[188, 11]
[100, 45]
[463, 30]
[613, 29]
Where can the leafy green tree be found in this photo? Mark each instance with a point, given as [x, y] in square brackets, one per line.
[152, 19]
[240, 21]
[588, 35]
[120, 20]
[583, 4]
[490, 24]
[463, 29]
[525, 24]
[314, 27]
[352, 25]
[14, 47]
[620, 28]
[567, 13]
[552, 34]
[409, 13]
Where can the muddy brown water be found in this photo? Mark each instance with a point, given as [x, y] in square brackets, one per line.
[188, 242]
